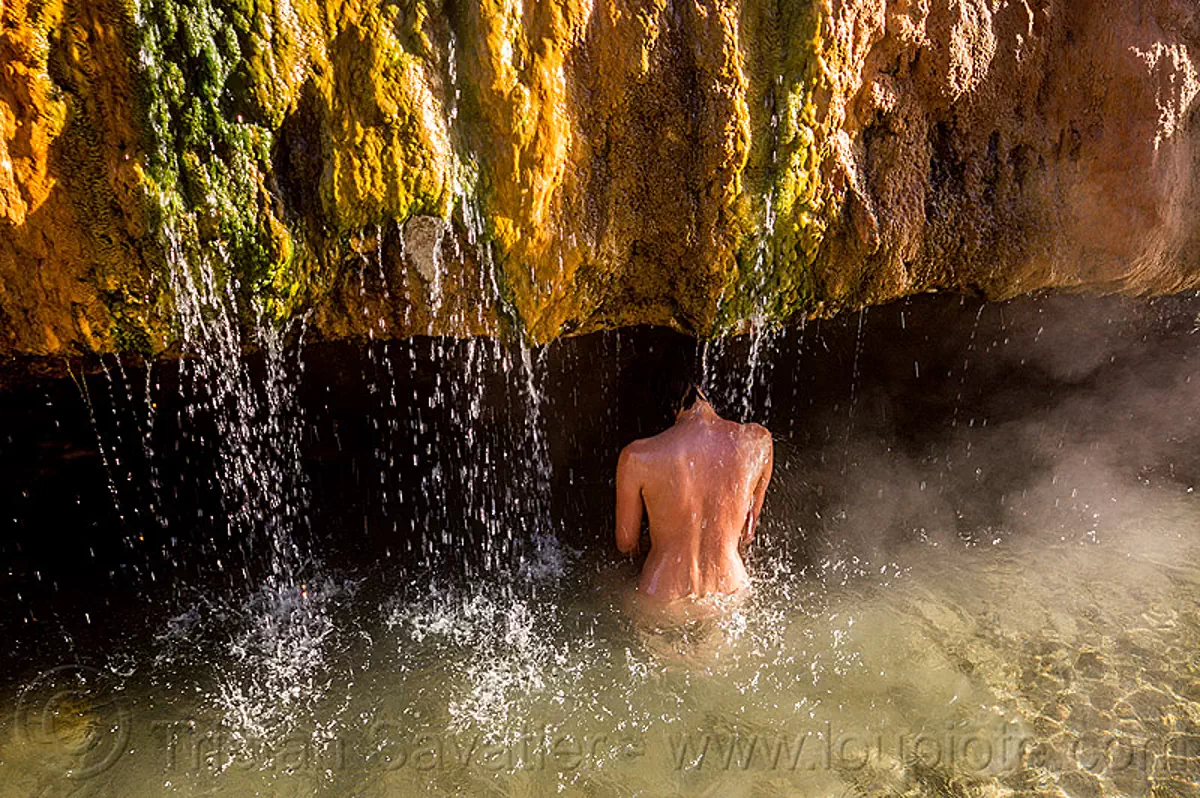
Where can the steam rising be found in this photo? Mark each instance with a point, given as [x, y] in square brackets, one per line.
[1050, 420]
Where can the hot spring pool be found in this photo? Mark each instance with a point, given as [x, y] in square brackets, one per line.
[989, 669]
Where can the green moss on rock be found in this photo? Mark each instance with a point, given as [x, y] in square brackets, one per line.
[206, 163]
[783, 214]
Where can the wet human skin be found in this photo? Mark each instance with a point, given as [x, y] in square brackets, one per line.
[702, 483]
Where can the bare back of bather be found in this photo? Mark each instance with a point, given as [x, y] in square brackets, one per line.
[702, 483]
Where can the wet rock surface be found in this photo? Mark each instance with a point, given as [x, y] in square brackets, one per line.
[705, 165]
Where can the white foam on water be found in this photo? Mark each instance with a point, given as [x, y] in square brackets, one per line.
[505, 650]
[269, 657]
[277, 659]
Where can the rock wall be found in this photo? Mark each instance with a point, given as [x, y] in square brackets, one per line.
[390, 167]
[1015, 146]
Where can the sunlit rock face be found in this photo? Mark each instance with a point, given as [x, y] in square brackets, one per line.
[1014, 146]
[697, 164]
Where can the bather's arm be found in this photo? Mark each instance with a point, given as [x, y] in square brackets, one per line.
[629, 501]
[760, 488]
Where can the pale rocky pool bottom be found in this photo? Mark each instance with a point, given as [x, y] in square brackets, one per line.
[1028, 667]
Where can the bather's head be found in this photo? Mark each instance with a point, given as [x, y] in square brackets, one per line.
[679, 388]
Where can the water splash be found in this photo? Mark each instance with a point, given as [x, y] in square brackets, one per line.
[507, 652]
[250, 419]
[277, 672]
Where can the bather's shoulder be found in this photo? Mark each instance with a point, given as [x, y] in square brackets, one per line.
[639, 446]
[636, 451]
[647, 454]
[758, 437]
[664, 442]
[756, 432]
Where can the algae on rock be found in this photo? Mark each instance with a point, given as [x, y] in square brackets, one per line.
[712, 165]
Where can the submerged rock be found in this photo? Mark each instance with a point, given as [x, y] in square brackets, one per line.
[695, 164]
